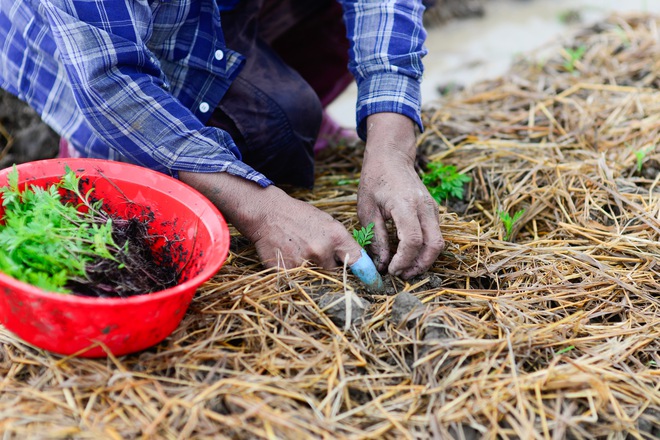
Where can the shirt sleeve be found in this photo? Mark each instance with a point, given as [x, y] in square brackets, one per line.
[386, 51]
[123, 94]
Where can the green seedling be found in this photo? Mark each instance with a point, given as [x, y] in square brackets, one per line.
[509, 221]
[47, 242]
[640, 155]
[569, 16]
[444, 181]
[364, 235]
[574, 55]
[565, 350]
[449, 88]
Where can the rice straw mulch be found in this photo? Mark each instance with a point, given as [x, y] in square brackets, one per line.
[552, 334]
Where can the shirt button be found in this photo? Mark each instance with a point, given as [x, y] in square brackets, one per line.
[219, 54]
[204, 107]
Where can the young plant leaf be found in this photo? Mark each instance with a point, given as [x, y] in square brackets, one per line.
[444, 181]
[509, 221]
[574, 55]
[640, 155]
[45, 242]
[364, 235]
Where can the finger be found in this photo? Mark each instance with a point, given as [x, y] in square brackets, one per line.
[368, 212]
[277, 259]
[433, 243]
[380, 244]
[411, 241]
[347, 252]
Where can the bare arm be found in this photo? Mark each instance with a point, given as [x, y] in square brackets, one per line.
[284, 230]
[390, 189]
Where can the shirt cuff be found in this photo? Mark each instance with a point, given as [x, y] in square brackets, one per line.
[204, 158]
[388, 92]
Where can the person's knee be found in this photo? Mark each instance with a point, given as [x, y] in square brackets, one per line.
[277, 117]
[287, 154]
[302, 113]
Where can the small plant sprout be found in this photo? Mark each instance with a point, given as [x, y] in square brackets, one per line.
[574, 55]
[641, 156]
[509, 221]
[565, 350]
[569, 16]
[364, 235]
[444, 181]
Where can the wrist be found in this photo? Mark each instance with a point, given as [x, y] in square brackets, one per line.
[390, 136]
[242, 202]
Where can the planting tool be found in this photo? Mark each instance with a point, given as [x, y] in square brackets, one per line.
[366, 271]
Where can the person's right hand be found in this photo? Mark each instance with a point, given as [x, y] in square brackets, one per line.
[286, 231]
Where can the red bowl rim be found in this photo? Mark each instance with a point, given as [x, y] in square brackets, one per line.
[193, 283]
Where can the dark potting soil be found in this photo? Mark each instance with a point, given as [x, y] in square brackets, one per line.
[142, 270]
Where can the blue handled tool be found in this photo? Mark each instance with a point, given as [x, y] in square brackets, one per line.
[366, 271]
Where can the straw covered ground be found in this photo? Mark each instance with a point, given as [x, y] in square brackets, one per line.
[551, 334]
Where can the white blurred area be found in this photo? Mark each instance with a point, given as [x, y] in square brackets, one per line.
[466, 51]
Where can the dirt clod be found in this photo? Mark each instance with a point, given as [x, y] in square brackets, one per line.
[336, 306]
[406, 308]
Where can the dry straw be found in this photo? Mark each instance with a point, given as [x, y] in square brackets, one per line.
[552, 334]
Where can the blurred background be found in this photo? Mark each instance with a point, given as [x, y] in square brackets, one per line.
[471, 40]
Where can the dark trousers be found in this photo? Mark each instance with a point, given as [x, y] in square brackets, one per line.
[296, 63]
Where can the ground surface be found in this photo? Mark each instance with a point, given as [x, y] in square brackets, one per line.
[23, 136]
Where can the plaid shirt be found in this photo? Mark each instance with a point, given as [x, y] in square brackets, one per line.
[136, 80]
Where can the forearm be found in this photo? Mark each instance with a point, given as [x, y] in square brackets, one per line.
[390, 136]
[386, 57]
[285, 231]
[240, 201]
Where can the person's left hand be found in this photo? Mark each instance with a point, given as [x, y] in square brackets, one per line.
[390, 189]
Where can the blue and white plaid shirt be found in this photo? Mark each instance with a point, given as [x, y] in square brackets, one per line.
[137, 79]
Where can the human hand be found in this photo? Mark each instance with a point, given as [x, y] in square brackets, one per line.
[390, 189]
[285, 231]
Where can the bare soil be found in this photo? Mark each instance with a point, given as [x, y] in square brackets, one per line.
[23, 135]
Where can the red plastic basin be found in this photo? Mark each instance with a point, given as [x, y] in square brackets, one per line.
[69, 324]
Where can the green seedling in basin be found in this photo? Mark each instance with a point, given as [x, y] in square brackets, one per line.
[364, 235]
[46, 242]
[444, 181]
[509, 221]
[59, 238]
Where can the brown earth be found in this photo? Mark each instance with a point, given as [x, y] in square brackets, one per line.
[23, 136]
